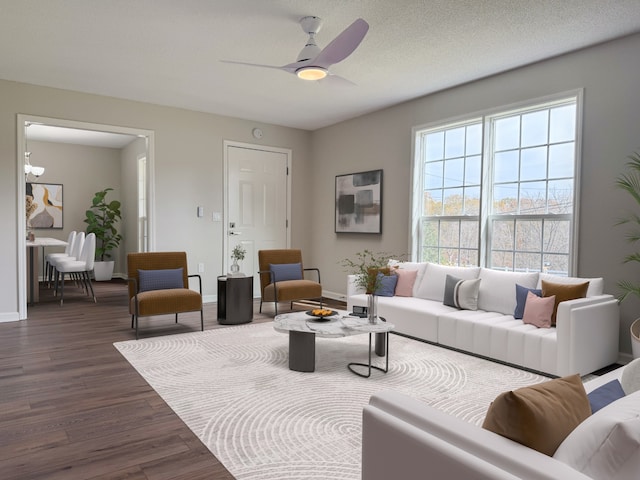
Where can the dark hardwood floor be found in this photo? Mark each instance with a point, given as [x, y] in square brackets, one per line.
[71, 407]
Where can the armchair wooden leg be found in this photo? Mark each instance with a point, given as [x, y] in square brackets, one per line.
[136, 322]
[176, 318]
[132, 316]
[201, 320]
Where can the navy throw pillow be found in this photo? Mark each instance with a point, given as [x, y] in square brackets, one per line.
[604, 395]
[285, 271]
[521, 299]
[160, 279]
[386, 285]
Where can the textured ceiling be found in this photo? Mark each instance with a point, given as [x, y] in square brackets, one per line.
[168, 52]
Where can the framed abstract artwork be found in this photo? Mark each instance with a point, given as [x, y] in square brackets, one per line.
[45, 205]
[359, 202]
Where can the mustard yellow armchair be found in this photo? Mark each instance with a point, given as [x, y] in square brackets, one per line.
[159, 284]
[282, 278]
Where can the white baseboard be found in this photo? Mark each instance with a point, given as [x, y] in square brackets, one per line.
[334, 296]
[9, 317]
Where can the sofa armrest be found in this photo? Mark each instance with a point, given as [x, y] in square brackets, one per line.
[405, 438]
[587, 334]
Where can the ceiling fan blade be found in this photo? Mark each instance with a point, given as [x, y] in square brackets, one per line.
[343, 45]
[291, 67]
[337, 80]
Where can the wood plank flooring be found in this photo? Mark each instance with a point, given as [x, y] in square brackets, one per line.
[71, 407]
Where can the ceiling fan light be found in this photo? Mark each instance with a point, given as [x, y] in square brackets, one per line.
[311, 73]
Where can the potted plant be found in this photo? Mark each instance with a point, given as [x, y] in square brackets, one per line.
[366, 268]
[237, 254]
[101, 219]
[630, 183]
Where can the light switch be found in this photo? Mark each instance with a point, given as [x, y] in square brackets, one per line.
[200, 211]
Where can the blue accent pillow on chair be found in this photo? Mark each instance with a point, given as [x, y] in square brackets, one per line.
[160, 279]
[285, 271]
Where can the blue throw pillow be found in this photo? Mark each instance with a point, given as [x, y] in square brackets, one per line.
[285, 271]
[604, 395]
[521, 299]
[160, 279]
[387, 285]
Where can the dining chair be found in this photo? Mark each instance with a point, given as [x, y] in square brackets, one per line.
[48, 270]
[79, 269]
[74, 254]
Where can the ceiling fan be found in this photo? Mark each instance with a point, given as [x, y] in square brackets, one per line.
[313, 63]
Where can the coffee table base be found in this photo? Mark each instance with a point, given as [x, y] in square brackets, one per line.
[302, 351]
[382, 345]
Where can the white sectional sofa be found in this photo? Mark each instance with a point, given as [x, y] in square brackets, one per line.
[405, 438]
[584, 340]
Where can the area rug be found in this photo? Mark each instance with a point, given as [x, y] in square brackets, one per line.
[233, 388]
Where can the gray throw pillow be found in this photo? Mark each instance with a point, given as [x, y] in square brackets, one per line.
[160, 279]
[461, 294]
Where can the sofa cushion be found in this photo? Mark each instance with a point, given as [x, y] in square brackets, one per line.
[540, 416]
[406, 280]
[562, 293]
[160, 279]
[521, 299]
[462, 294]
[386, 285]
[538, 310]
[419, 267]
[605, 394]
[596, 285]
[432, 284]
[495, 284]
[607, 444]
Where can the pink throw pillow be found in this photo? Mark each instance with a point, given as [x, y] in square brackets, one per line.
[406, 279]
[538, 310]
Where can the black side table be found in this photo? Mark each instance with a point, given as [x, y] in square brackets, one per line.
[235, 300]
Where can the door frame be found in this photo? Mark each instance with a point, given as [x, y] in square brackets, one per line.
[21, 119]
[225, 205]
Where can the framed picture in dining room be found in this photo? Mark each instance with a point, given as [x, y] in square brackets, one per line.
[359, 202]
[45, 204]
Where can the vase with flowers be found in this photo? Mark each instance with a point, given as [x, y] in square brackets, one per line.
[237, 254]
[369, 269]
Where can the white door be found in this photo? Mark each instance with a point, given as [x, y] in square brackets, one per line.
[257, 203]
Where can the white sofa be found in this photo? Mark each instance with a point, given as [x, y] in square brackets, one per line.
[405, 438]
[585, 339]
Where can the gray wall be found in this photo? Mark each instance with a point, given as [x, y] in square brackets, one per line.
[188, 172]
[82, 170]
[609, 74]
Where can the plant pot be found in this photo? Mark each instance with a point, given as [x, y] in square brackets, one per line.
[103, 271]
[635, 338]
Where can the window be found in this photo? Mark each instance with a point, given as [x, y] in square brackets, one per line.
[498, 190]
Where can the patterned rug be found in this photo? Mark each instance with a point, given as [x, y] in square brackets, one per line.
[233, 388]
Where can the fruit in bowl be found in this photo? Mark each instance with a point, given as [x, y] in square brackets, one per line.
[322, 312]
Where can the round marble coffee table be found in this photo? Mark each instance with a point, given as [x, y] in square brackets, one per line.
[303, 330]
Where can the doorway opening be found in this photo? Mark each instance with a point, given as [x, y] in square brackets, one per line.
[134, 147]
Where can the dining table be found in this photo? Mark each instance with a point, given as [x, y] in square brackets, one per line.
[32, 262]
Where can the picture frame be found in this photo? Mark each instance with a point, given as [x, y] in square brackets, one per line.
[358, 199]
[49, 202]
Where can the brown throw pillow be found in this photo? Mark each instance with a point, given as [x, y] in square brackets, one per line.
[563, 291]
[540, 416]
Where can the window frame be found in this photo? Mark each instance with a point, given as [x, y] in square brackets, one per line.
[486, 215]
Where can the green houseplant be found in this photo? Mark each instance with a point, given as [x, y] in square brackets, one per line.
[101, 219]
[630, 183]
[365, 267]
